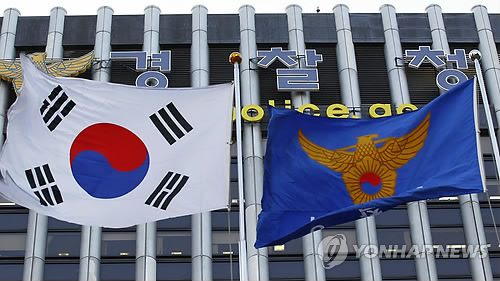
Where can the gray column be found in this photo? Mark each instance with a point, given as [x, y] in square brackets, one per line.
[313, 259]
[145, 264]
[346, 60]
[469, 204]
[474, 236]
[102, 48]
[201, 224]
[145, 261]
[90, 253]
[489, 57]
[54, 48]
[90, 247]
[417, 211]
[7, 51]
[438, 32]
[36, 244]
[36, 240]
[253, 153]
[366, 232]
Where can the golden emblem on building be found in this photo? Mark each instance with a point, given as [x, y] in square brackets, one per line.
[11, 70]
[365, 162]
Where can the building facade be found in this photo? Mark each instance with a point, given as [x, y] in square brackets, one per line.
[362, 72]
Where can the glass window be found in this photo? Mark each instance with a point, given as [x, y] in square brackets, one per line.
[118, 244]
[220, 220]
[448, 236]
[225, 243]
[233, 193]
[445, 216]
[174, 243]
[398, 216]
[395, 268]
[61, 271]
[11, 272]
[350, 235]
[286, 270]
[12, 244]
[14, 222]
[226, 270]
[233, 170]
[492, 239]
[63, 244]
[449, 268]
[118, 271]
[293, 247]
[173, 271]
[394, 237]
[349, 269]
[495, 267]
[489, 167]
[55, 224]
[183, 222]
[6, 203]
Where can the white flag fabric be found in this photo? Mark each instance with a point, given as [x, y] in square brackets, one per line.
[114, 155]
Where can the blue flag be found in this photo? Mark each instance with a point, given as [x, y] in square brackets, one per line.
[327, 171]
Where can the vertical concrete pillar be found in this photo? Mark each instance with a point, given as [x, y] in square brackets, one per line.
[489, 57]
[417, 211]
[201, 224]
[36, 239]
[145, 262]
[54, 48]
[469, 204]
[366, 232]
[253, 153]
[36, 244]
[90, 246]
[313, 258]
[7, 51]
[438, 32]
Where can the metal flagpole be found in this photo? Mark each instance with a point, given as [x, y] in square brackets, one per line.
[480, 268]
[235, 59]
[475, 55]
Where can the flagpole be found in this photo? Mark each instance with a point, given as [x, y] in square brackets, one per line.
[235, 59]
[475, 55]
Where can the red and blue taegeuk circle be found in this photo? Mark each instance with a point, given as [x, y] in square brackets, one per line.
[108, 161]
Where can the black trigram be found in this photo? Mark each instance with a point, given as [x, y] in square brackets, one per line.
[55, 107]
[168, 188]
[43, 185]
[169, 120]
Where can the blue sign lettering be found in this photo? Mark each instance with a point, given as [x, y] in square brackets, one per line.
[312, 58]
[153, 79]
[140, 58]
[423, 53]
[459, 57]
[268, 57]
[161, 60]
[297, 79]
[448, 78]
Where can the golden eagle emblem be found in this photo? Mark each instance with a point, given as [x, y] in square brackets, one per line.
[367, 162]
[12, 71]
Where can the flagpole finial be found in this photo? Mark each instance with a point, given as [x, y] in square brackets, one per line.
[475, 55]
[235, 57]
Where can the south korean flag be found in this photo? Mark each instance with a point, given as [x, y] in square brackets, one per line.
[113, 155]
